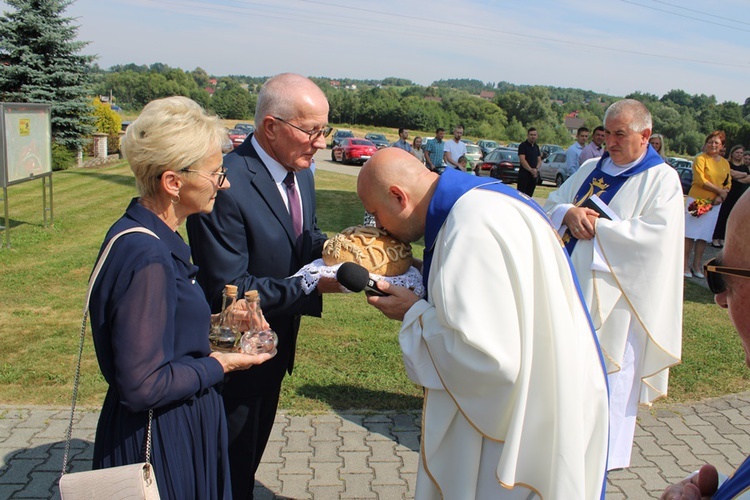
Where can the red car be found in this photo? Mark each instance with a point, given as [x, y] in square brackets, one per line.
[237, 137]
[353, 150]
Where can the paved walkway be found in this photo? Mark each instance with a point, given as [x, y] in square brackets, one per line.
[374, 455]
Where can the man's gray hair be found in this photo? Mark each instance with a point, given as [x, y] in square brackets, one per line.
[279, 96]
[640, 116]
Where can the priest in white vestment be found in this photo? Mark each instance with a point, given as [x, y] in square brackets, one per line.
[515, 386]
[628, 255]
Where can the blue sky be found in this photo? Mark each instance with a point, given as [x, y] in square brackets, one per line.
[609, 46]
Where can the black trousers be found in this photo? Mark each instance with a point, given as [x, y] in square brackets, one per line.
[526, 182]
[250, 421]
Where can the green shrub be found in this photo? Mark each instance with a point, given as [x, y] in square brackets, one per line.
[62, 157]
[107, 122]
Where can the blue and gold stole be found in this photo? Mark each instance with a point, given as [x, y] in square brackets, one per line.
[606, 186]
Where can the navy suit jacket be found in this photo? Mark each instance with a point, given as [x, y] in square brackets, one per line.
[248, 240]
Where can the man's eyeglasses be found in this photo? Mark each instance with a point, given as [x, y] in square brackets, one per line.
[714, 271]
[220, 174]
[313, 134]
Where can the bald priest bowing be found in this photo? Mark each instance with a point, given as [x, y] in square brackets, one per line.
[515, 387]
[628, 260]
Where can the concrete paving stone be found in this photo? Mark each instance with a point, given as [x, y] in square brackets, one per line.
[411, 483]
[719, 461]
[650, 448]
[408, 439]
[615, 495]
[718, 404]
[388, 492]
[38, 419]
[378, 418]
[736, 418]
[55, 460]
[409, 462]
[652, 477]
[698, 445]
[272, 453]
[56, 429]
[677, 426]
[387, 473]
[294, 486]
[405, 421]
[325, 474]
[357, 486]
[296, 463]
[647, 420]
[326, 492]
[633, 489]
[13, 412]
[383, 451]
[42, 485]
[19, 438]
[300, 424]
[327, 431]
[78, 465]
[298, 441]
[732, 452]
[6, 455]
[261, 493]
[623, 474]
[694, 420]
[723, 425]
[277, 433]
[741, 440]
[378, 431]
[9, 490]
[355, 462]
[19, 471]
[354, 441]
[326, 451]
[268, 475]
[352, 422]
[668, 467]
[638, 460]
[711, 436]
[684, 455]
[663, 413]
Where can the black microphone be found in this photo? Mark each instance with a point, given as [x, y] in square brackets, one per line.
[356, 278]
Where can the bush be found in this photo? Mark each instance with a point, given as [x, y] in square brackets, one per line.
[108, 122]
[62, 157]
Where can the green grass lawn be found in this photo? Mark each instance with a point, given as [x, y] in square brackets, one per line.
[349, 358]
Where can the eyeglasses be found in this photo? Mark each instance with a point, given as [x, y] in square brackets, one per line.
[713, 271]
[220, 175]
[313, 134]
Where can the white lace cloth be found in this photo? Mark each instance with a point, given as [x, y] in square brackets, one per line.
[316, 269]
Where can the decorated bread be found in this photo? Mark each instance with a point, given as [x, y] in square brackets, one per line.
[370, 247]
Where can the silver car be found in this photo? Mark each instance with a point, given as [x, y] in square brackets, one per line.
[554, 169]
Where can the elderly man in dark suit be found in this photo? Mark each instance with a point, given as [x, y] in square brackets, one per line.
[260, 232]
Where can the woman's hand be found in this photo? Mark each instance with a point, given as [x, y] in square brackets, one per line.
[234, 361]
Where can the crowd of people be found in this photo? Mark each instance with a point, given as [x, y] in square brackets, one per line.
[531, 382]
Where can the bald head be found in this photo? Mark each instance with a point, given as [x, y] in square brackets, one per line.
[288, 95]
[737, 244]
[396, 188]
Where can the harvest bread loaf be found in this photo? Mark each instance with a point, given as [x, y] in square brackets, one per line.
[371, 248]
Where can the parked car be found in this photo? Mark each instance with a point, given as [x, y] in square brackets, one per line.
[237, 137]
[548, 149]
[467, 141]
[554, 169]
[686, 177]
[378, 139]
[245, 127]
[340, 135]
[487, 146]
[473, 155]
[501, 164]
[353, 150]
[513, 145]
[679, 162]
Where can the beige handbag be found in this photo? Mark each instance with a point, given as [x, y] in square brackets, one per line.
[136, 481]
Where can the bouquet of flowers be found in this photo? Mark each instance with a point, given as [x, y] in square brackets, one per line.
[699, 207]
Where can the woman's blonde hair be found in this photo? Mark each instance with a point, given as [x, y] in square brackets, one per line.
[170, 134]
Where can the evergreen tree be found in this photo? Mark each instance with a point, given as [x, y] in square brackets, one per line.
[42, 64]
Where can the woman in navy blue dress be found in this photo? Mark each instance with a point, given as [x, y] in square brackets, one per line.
[150, 319]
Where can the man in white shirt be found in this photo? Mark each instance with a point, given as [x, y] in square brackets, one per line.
[572, 155]
[628, 263]
[454, 149]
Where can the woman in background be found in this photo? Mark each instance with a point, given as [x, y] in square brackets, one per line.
[657, 142]
[150, 319]
[740, 179]
[711, 182]
[416, 149]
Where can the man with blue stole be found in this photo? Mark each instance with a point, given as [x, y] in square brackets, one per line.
[728, 277]
[515, 387]
[628, 261]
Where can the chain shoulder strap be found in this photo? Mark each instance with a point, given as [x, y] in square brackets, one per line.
[77, 378]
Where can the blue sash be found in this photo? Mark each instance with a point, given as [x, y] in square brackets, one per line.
[606, 186]
[452, 186]
[735, 485]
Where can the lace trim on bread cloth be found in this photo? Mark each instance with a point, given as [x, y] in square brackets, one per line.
[316, 269]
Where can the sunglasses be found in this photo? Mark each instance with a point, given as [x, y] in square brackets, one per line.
[713, 270]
